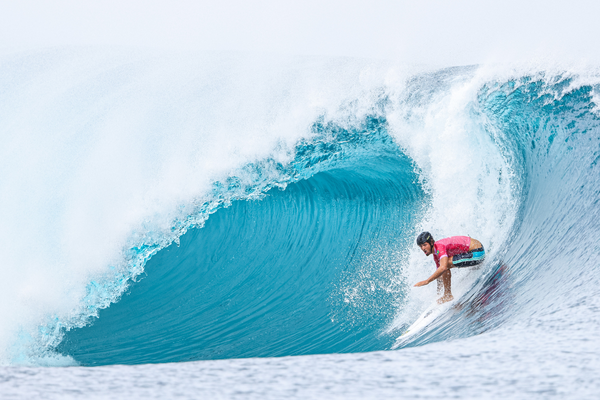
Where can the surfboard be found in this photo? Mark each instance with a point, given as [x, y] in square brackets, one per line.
[424, 320]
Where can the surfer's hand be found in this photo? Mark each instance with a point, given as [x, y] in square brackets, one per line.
[422, 283]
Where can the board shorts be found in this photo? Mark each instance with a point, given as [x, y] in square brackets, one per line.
[470, 258]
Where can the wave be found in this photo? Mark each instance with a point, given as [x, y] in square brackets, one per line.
[204, 207]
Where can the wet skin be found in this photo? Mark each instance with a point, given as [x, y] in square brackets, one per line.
[443, 272]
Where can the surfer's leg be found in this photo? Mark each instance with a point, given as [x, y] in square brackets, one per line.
[447, 282]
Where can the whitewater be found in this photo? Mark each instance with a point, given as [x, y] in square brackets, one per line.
[224, 225]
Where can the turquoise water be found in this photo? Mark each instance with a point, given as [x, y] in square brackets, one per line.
[182, 208]
[265, 277]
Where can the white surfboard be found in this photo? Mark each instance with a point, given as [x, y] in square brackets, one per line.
[424, 320]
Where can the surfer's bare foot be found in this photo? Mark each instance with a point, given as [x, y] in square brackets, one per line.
[445, 298]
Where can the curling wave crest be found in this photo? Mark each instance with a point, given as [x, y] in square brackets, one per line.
[175, 208]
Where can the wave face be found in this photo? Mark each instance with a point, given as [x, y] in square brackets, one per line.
[208, 207]
[266, 277]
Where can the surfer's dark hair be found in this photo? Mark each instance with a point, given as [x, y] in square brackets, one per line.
[425, 237]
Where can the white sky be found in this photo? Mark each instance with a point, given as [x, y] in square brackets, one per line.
[429, 31]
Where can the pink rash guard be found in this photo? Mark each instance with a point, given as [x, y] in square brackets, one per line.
[449, 247]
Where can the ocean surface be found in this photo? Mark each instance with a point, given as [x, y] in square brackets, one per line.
[243, 226]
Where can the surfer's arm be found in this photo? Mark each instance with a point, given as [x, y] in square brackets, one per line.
[444, 266]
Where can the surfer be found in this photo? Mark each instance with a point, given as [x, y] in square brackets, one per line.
[452, 252]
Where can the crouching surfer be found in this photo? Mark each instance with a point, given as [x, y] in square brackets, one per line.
[452, 252]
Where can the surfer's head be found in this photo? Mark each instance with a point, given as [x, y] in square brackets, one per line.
[425, 242]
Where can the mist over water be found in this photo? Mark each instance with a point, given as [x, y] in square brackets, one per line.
[177, 207]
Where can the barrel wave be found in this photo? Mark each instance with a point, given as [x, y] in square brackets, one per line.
[270, 277]
[211, 207]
